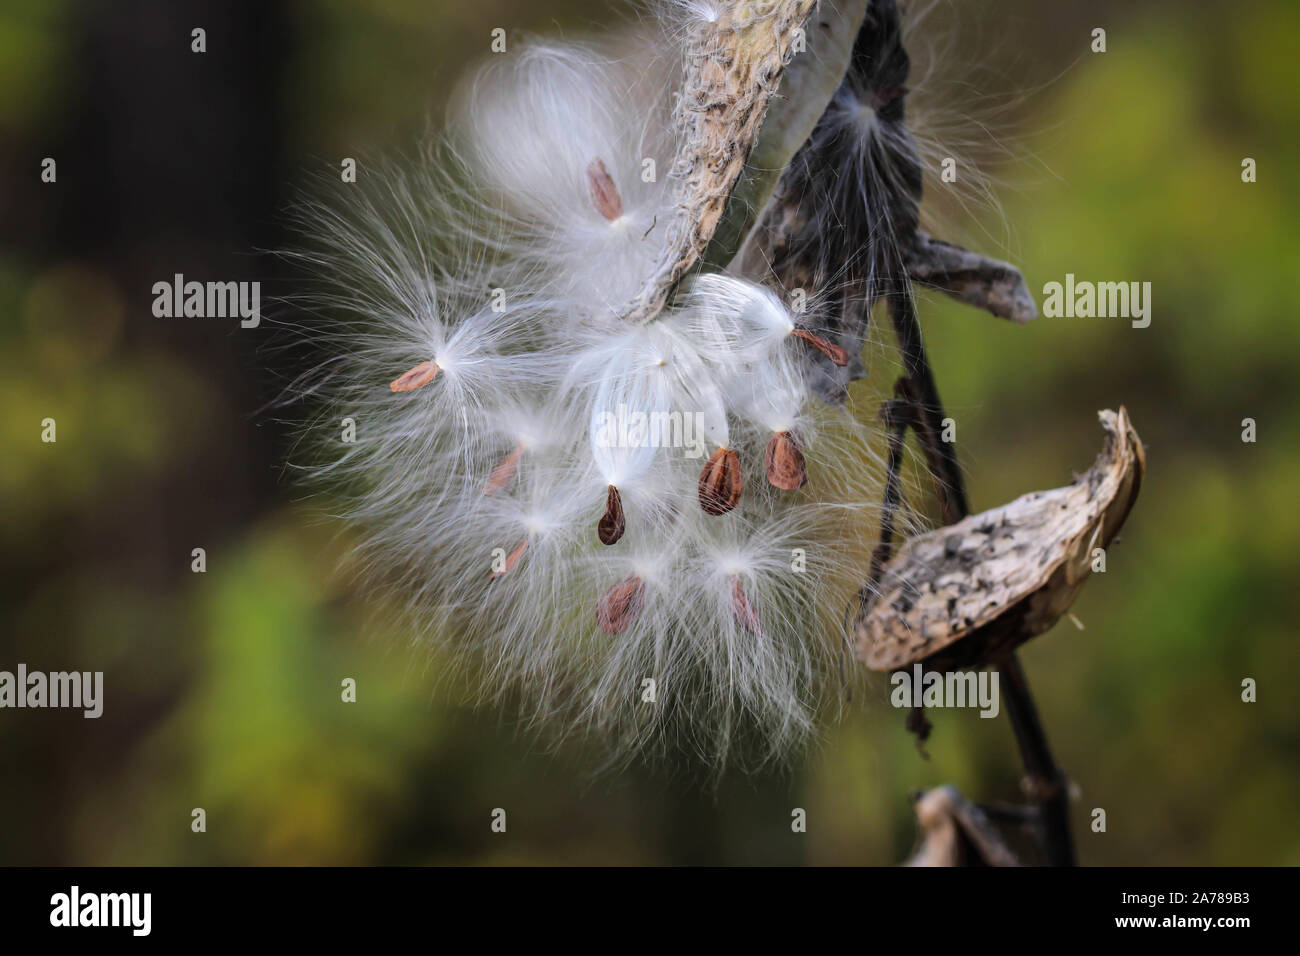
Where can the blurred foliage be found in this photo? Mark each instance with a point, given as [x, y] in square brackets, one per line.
[223, 689]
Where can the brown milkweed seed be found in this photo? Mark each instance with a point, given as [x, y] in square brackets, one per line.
[619, 606]
[604, 194]
[612, 523]
[830, 350]
[422, 374]
[721, 482]
[511, 560]
[743, 611]
[504, 473]
[784, 462]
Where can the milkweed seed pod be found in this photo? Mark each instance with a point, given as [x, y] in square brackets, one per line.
[590, 450]
[958, 596]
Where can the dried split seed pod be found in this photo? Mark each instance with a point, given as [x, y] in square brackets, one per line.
[957, 596]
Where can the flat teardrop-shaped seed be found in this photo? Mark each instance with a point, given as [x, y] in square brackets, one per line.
[619, 606]
[721, 482]
[784, 462]
[410, 380]
[604, 194]
[504, 473]
[743, 611]
[511, 560]
[829, 349]
[612, 523]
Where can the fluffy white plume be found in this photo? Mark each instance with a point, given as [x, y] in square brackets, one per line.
[577, 505]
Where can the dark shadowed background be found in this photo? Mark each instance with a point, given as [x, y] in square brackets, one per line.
[222, 688]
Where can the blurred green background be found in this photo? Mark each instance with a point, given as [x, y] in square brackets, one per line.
[222, 689]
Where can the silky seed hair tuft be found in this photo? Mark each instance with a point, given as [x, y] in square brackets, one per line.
[643, 527]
